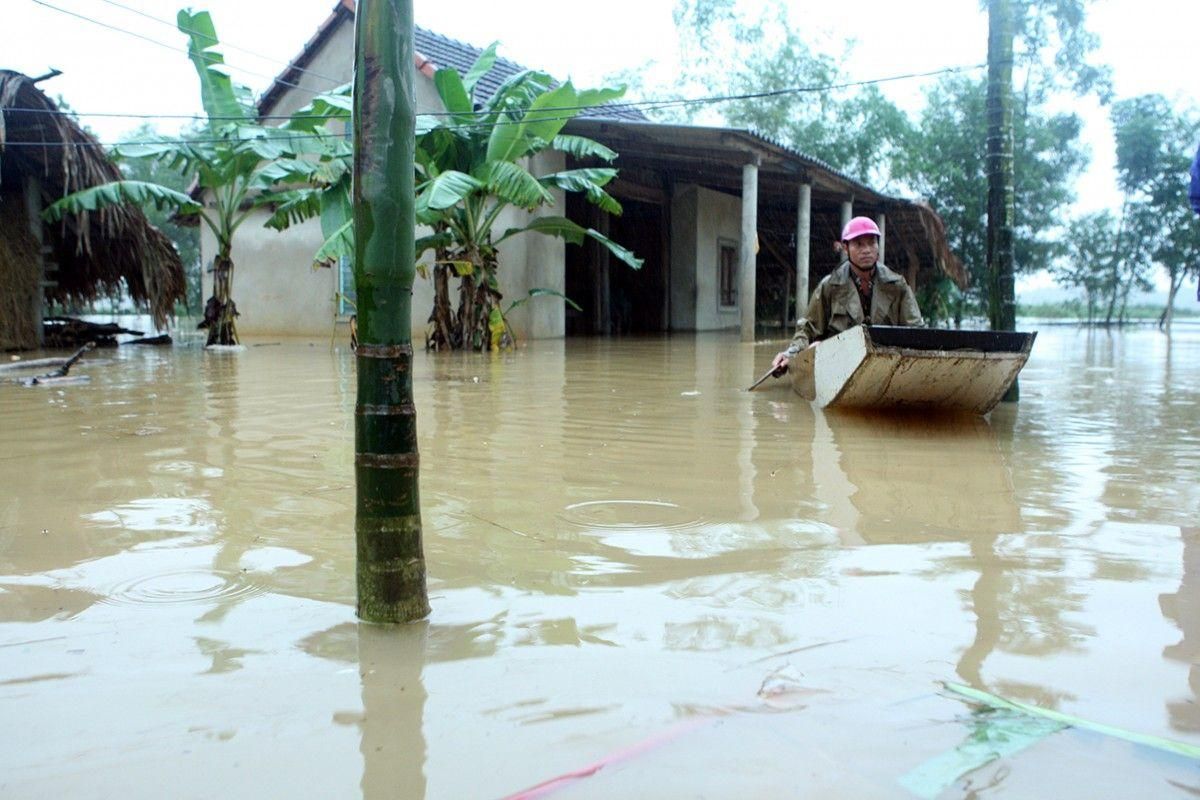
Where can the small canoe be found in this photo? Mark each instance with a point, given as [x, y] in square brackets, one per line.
[885, 367]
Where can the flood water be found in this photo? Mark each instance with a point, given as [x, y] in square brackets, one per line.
[645, 581]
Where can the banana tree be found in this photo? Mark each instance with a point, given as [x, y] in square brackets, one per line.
[472, 165]
[238, 166]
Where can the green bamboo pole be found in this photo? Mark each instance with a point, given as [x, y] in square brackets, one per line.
[1002, 305]
[391, 562]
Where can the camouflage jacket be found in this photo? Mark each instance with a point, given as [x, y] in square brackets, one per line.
[835, 306]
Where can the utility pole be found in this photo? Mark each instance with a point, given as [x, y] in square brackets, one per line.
[387, 524]
[1002, 305]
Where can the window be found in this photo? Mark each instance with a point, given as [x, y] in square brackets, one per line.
[346, 296]
[727, 264]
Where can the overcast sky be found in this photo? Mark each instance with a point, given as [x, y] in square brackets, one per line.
[1150, 44]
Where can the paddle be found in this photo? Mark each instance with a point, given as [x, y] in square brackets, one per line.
[773, 372]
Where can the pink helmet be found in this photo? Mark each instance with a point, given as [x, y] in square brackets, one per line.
[859, 226]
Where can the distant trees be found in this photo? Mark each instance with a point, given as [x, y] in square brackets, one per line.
[728, 54]
[1154, 144]
[941, 154]
[945, 160]
[1112, 254]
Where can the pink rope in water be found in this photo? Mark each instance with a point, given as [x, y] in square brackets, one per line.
[546, 787]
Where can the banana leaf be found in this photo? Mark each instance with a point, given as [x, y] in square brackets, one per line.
[115, 193]
[995, 701]
[217, 93]
[574, 233]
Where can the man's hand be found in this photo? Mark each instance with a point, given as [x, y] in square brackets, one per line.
[781, 361]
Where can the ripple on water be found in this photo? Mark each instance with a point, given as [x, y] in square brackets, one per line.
[182, 587]
[629, 515]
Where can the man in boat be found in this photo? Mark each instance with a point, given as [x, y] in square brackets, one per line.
[861, 282]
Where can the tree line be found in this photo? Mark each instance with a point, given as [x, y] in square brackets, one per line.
[940, 153]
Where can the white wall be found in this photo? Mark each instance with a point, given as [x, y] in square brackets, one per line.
[700, 219]
[275, 287]
[335, 60]
[683, 257]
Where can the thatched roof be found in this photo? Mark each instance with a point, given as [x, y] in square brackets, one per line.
[97, 253]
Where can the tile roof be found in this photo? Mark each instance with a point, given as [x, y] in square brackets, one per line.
[446, 52]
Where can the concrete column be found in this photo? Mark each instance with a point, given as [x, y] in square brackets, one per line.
[881, 221]
[803, 245]
[33, 212]
[601, 290]
[847, 212]
[747, 274]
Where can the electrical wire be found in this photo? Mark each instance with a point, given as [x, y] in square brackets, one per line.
[638, 105]
[172, 47]
[227, 45]
[612, 107]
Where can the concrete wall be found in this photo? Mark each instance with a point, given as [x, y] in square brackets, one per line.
[683, 257]
[276, 288]
[535, 261]
[335, 60]
[700, 220]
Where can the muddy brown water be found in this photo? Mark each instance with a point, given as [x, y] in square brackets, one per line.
[645, 581]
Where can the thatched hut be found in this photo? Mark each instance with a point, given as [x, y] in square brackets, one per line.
[45, 155]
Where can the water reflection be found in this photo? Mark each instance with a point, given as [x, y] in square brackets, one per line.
[905, 478]
[390, 661]
[1182, 607]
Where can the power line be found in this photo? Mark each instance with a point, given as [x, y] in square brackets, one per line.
[637, 105]
[165, 45]
[223, 44]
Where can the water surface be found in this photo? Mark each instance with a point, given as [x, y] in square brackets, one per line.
[633, 563]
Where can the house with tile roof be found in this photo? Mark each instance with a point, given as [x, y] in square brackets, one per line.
[684, 191]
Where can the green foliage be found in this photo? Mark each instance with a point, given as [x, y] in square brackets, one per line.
[1153, 145]
[939, 300]
[118, 192]
[472, 166]
[1111, 256]
[540, 292]
[727, 53]
[1076, 309]
[233, 161]
[941, 155]
[185, 237]
[1052, 51]
[945, 162]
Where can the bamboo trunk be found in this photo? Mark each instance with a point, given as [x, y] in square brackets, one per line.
[391, 561]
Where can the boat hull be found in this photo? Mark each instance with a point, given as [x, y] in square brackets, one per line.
[889, 367]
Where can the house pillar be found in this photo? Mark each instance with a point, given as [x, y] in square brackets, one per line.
[803, 245]
[33, 212]
[881, 221]
[747, 272]
[847, 212]
[601, 290]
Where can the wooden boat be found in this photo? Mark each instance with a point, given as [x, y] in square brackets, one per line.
[885, 367]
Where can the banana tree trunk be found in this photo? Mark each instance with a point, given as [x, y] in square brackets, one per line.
[391, 561]
[220, 312]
